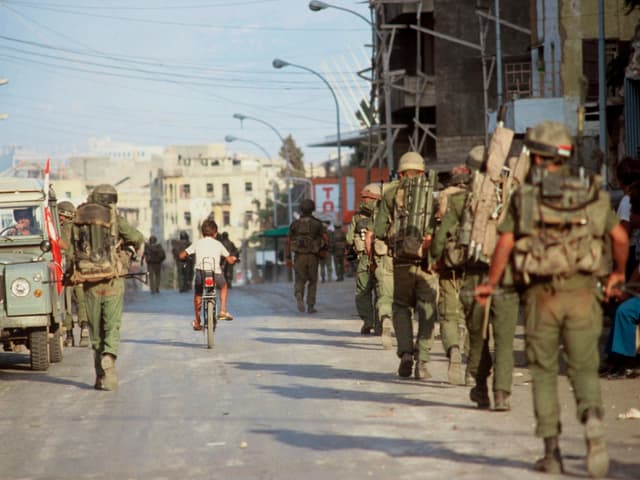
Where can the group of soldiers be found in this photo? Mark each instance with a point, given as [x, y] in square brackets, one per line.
[509, 232]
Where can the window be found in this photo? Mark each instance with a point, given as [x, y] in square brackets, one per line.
[185, 190]
[248, 216]
[226, 219]
[517, 76]
[225, 192]
[209, 189]
[248, 187]
[187, 218]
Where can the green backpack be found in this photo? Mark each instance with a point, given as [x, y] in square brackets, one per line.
[95, 243]
[413, 209]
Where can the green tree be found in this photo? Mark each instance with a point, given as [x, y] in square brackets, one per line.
[295, 156]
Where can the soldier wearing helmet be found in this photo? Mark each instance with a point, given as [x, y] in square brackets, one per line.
[365, 279]
[74, 295]
[104, 294]
[557, 264]
[414, 286]
[307, 239]
[184, 267]
[153, 256]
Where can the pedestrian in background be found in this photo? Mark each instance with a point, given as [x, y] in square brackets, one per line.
[184, 267]
[154, 256]
[228, 268]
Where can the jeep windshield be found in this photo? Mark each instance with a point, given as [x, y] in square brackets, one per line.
[23, 222]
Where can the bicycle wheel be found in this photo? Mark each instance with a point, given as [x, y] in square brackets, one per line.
[211, 323]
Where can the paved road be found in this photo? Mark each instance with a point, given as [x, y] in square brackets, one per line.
[282, 396]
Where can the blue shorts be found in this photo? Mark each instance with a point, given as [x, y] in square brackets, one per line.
[218, 277]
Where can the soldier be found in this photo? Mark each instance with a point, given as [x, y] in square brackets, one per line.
[326, 268]
[103, 280]
[306, 238]
[154, 256]
[555, 233]
[73, 294]
[451, 264]
[184, 268]
[382, 259]
[228, 268]
[413, 284]
[365, 280]
[339, 250]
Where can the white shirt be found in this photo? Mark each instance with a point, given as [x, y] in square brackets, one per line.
[208, 247]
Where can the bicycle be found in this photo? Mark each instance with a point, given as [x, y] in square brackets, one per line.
[209, 300]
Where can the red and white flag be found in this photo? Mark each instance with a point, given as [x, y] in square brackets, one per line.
[52, 233]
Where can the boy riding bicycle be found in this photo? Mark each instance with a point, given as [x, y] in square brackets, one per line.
[208, 247]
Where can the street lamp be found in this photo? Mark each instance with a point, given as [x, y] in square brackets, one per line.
[278, 63]
[242, 117]
[231, 138]
[316, 6]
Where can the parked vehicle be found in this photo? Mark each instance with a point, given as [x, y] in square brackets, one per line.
[31, 293]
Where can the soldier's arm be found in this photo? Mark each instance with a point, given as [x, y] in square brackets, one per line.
[351, 230]
[129, 234]
[380, 227]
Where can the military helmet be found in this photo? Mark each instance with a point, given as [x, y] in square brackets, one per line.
[307, 205]
[66, 209]
[105, 194]
[372, 190]
[411, 161]
[184, 236]
[153, 239]
[549, 139]
[475, 158]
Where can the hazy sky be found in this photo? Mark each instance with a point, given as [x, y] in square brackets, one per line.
[174, 71]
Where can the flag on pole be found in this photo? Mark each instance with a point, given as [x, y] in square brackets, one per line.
[52, 233]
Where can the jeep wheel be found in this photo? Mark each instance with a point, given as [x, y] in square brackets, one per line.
[39, 347]
[56, 346]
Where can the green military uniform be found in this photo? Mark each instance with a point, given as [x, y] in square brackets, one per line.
[326, 265]
[413, 289]
[73, 294]
[365, 281]
[563, 310]
[105, 298]
[306, 240]
[339, 240]
[154, 256]
[184, 268]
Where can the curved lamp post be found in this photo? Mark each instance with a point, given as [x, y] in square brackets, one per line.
[278, 63]
[242, 117]
[231, 138]
[316, 6]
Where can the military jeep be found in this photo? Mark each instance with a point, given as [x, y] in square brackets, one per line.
[31, 308]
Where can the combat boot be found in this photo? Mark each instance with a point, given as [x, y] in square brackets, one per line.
[420, 371]
[501, 401]
[300, 303]
[597, 455]
[97, 364]
[69, 341]
[365, 330]
[311, 309]
[480, 395]
[110, 380]
[552, 460]
[84, 334]
[406, 365]
[387, 342]
[454, 373]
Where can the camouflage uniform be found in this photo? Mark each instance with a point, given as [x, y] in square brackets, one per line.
[339, 246]
[306, 239]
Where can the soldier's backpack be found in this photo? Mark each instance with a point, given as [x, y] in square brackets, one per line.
[413, 208]
[302, 240]
[96, 245]
[154, 253]
[561, 228]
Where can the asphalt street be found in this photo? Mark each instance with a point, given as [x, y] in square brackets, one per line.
[283, 395]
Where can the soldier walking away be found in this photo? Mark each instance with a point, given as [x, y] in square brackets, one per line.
[555, 233]
[184, 267]
[154, 256]
[306, 239]
[73, 295]
[326, 260]
[405, 222]
[339, 250]
[103, 245]
[227, 268]
[365, 279]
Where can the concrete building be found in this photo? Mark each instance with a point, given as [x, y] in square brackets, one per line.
[191, 182]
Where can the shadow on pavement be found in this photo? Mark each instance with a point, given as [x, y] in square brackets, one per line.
[43, 377]
[323, 343]
[168, 343]
[394, 447]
